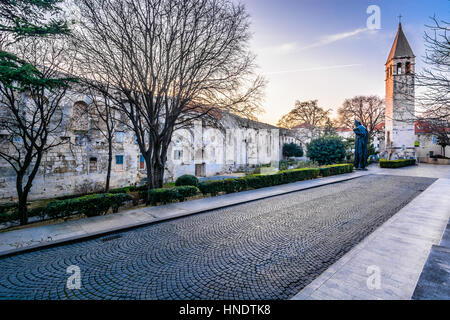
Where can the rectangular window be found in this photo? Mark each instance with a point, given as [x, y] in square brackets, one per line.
[178, 154]
[92, 164]
[141, 162]
[119, 162]
[119, 136]
[79, 140]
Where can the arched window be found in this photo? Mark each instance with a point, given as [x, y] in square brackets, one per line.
[80, 116]
[399, 68]
[408, 68]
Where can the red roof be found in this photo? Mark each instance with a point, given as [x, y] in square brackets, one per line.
[379, 127]
[424, 127]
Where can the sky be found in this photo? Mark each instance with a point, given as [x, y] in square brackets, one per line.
[323, 49]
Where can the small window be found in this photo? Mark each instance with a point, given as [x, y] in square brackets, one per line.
[141, 162]
[92, 164]
[178, 154]
[119, 136]
[79, 140]
[408, 68]
[119, 162]
[399, 68]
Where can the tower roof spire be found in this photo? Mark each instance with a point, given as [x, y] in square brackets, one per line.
[401, 47]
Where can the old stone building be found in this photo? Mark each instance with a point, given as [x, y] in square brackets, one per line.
[80, 164]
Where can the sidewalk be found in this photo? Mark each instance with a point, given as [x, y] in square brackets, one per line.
[38, 237]
[398, 250]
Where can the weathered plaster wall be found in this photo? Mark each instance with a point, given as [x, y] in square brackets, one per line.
[81, 165]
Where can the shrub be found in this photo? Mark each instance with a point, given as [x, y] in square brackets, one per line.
[211, 187]
[143, 195]
[91, 205]
[13, 214]
[186, 192]
[292, 150]
[257, 181]
[396, 163]
[129, 189]
[327, 150]
[335, 169]
[120, 190]
[6, 217]
[161, 195]
[187, 180]
[164, 195]
[6, 207]
[234, 185]
[299, 174]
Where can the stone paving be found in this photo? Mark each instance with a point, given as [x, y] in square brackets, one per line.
[266, 249]
[394, 255]
[38, 237]
[434, 281]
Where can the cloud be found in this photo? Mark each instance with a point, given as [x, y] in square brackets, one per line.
[314, 69]
[284, 48]
[291, 47]
[334, 38]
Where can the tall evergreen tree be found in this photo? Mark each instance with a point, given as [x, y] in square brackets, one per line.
[20, 19]
[28, 113]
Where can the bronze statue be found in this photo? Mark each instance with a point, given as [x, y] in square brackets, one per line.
[361, 143]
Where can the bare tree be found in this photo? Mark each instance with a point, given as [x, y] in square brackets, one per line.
[369, 110]
[434, 82]
[30, 118]
[308, 117]
[102, 112]
[439, 128]
[169, 62]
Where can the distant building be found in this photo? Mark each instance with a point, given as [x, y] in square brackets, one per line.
[425, 141]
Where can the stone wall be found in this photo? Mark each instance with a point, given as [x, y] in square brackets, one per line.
[80, 165]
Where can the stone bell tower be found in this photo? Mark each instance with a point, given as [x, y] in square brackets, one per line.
[400, 97]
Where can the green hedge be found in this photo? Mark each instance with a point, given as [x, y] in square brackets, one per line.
[332, 170]
[396, 163]
[164, 195]
[13, 215]
[235, 185]
[211, 187]
[129, 189]
[187, 180]
[261, 181]
[91, 205]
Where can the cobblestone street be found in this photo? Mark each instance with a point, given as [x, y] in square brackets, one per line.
[267, 249]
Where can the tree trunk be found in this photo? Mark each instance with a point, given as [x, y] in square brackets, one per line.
[157, 176]
[22, 205]
[108, 173]
[23, 211]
